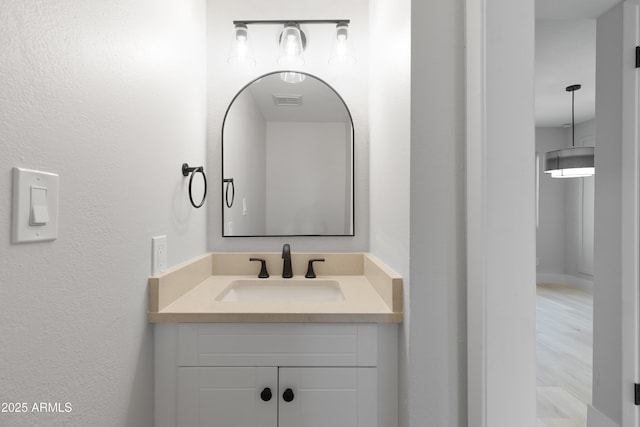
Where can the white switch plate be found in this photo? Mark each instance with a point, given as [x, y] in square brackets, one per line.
[34, 219]
[158, 255]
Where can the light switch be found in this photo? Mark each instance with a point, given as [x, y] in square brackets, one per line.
[35, 206]
[158, 255]
[39, 207]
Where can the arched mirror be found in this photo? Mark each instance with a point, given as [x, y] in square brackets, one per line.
[287, 159]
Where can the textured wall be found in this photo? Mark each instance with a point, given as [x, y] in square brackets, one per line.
[110, 95]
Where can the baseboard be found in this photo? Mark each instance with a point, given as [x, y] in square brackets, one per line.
[551, 278]
[580, 283]
[596, 418]
[565, 279]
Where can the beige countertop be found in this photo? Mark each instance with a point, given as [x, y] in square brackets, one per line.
[191, 292]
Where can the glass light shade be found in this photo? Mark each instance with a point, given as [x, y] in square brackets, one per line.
[573, 173]
[292, 77]
[291, 46]
[571, 162]
[240, 52]
[342, 52]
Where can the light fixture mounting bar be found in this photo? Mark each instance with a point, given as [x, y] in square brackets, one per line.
[297, 21]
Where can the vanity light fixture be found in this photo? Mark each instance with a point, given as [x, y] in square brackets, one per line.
[342, 51]
[292, 77]
[291, 46]
[573, 162]
[292, 43]
[241, 52]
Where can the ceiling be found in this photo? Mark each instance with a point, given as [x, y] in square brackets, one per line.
[319, 103]
[565, 55]
[572, 9]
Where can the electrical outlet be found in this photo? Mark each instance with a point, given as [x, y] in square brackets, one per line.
[158, 255]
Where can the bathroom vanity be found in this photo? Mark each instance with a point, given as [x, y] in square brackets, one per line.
[318, 358]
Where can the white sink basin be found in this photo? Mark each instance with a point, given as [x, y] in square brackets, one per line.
[285, 290]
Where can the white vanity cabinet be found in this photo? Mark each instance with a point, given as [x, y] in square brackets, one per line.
[270, 397]
[275, 375]
[226, 396]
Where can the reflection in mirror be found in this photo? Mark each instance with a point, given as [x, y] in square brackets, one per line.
[287, 143]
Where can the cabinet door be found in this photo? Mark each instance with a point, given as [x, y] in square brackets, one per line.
[321, 397]
[227, 397]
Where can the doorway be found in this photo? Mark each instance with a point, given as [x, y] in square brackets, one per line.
[493, 29]
[565, 55]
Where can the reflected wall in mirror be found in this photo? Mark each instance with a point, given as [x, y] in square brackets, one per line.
[289, 149]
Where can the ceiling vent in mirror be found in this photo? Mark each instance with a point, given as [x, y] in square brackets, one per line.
[287, 100]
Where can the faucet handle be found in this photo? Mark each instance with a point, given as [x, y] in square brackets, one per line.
[263, 268]
[310, 273]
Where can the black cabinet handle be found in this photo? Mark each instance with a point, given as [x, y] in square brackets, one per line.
[287, 396]
[266, 394]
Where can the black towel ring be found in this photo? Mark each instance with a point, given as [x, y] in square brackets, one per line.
[186, 170]
[226, 191]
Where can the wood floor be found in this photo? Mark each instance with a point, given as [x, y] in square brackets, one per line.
[564, 355]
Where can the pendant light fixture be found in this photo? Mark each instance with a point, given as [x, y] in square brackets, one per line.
[574, 162]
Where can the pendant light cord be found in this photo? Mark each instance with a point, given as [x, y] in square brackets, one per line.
[573, 89]
[573, 122]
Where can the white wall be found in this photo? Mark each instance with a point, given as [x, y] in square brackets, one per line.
[579, 218]
[245, 163]
[564, 237]
[507, 244]
[109, 95]
[307, 196]
[438, 344]
[607, 344]
[417, 196]
[389, 179]
[550, 236]
[224, 81]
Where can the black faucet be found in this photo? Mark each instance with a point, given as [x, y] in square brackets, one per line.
[264, 274]
[286, 267]
[310, 273]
